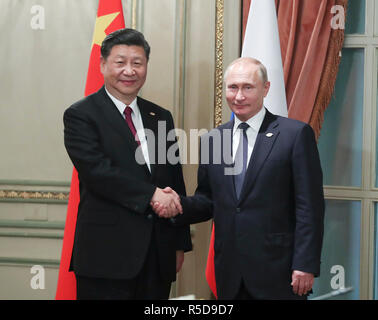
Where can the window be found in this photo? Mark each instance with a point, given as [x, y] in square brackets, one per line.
[348, 147]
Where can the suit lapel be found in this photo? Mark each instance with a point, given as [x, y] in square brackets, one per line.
[116, 120]
[114, 117]
[266, 137]
[150, 122]
[227, 163]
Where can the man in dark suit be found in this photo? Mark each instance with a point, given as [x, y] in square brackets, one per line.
[122, 249]
[265, 195]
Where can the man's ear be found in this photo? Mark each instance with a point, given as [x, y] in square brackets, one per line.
[266, 88]
[102, 64]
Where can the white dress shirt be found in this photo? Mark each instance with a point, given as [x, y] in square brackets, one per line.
[136, 117]
[254, 127]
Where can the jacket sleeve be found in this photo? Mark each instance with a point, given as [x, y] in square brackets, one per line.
[184, 240]
[309, 203]
[96, 170]
[199, 207]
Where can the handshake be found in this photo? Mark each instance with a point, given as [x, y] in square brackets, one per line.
[166, 203]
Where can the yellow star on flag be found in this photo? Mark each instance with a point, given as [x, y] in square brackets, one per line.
[101, 24]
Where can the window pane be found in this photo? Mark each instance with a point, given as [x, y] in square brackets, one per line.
[376, 20]
[355, 20]
[341, 250]
[376, 252]
[340, 142]
[376, 132]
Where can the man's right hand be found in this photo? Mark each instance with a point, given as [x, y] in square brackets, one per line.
[166, 203]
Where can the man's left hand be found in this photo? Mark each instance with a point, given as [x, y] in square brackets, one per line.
[302, 282]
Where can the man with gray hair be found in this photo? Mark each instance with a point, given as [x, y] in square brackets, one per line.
[268, 216]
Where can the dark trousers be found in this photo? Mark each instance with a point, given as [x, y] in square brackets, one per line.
[243, 293]
[147, 285]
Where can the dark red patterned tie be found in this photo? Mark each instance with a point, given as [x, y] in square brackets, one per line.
[130, 123]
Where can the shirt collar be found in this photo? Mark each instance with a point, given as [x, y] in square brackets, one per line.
[254, 122]
[121, 106]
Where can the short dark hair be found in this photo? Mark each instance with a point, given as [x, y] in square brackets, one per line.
[127, 36]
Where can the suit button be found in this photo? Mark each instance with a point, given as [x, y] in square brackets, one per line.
[150, 216]
[238, 210]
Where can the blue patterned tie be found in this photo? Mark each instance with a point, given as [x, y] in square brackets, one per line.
[241, 158]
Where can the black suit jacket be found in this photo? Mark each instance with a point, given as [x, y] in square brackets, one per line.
[277, 224]
[115, 221]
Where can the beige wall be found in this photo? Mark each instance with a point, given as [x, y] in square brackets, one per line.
[44, 71]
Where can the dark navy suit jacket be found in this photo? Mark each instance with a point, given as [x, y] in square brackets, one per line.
[276, 226]
[115, 222]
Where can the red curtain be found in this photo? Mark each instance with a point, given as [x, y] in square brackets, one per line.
[311, 53]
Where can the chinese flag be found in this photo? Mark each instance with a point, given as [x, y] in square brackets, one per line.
[109, 19]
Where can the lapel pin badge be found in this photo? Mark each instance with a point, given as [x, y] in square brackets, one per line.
[152, 113]
[269, 134]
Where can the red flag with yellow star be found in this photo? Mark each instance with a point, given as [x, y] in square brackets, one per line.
[109, 19]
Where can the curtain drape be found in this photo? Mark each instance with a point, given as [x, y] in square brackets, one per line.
[311, 53]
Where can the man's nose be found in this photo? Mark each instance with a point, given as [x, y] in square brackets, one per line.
[239, 95]
[128, 70]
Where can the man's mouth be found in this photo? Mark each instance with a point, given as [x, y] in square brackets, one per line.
[128, 82]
